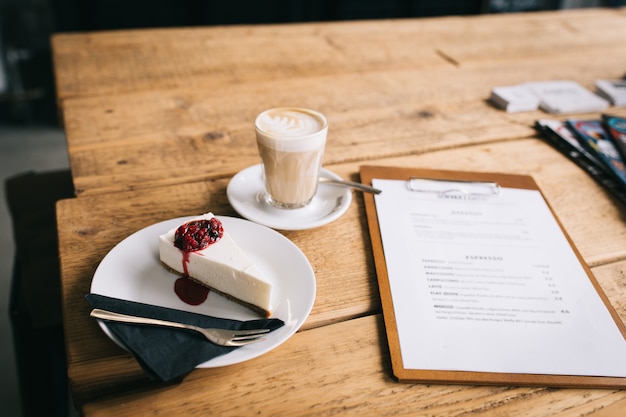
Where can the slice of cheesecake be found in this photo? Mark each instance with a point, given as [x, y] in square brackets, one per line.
[203, 251]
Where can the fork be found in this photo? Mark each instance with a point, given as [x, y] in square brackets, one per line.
[222, 337]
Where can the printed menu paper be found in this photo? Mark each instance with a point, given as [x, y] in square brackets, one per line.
[486, 281]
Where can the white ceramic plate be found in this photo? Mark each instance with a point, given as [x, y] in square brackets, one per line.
[132, 271]
[245, 193]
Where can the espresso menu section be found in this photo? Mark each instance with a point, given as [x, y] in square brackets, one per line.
[474, 292]
[482, 287]
[484, 281]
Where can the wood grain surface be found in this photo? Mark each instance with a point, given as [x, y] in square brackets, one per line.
[158, 121]
[158, 107]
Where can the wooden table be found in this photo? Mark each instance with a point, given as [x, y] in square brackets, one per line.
[158, 121]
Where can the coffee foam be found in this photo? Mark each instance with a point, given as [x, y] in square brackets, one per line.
[291, 129]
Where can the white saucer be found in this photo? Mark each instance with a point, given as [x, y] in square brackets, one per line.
[245, 193]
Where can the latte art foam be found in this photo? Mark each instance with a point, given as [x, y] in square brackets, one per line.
[289, 123]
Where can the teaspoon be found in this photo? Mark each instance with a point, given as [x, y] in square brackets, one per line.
[351, 184]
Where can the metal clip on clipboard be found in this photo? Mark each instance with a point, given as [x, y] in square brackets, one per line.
[444, 187]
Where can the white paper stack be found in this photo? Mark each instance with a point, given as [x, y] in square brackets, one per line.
[612, 90]
[514, 98]
[562, 97]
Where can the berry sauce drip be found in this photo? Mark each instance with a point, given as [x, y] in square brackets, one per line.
[190, 292]
[198, 234]
[191, 237]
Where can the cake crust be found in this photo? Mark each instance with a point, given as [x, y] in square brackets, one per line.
[255, 308]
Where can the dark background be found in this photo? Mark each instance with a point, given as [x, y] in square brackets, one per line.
[26, 81]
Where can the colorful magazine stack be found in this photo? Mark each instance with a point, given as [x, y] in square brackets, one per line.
[597, 146]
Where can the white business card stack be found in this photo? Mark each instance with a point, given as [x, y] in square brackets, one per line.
[514, 98]
[556, 97]
[612, 90]
[563, 97]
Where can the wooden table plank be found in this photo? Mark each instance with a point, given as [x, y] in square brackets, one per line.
[146, 140]
[123, 61]
[162, 107]
[571, 33]
[316, 372]
[611, 277]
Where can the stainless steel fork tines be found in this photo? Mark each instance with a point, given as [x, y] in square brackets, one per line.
[222, 337]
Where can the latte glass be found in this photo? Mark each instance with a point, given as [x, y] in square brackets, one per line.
[291, 145]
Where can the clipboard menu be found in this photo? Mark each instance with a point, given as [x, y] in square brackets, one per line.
[480, 284]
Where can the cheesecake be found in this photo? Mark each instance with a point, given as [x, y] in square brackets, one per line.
[202, 250]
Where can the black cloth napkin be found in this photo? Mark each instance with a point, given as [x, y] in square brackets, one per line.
[166, 353]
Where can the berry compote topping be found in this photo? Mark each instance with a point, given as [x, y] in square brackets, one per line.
[198, 234]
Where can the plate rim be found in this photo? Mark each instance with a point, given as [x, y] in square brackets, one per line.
[245, 353]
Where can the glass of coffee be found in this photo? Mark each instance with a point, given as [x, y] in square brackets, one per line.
[291, 144]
